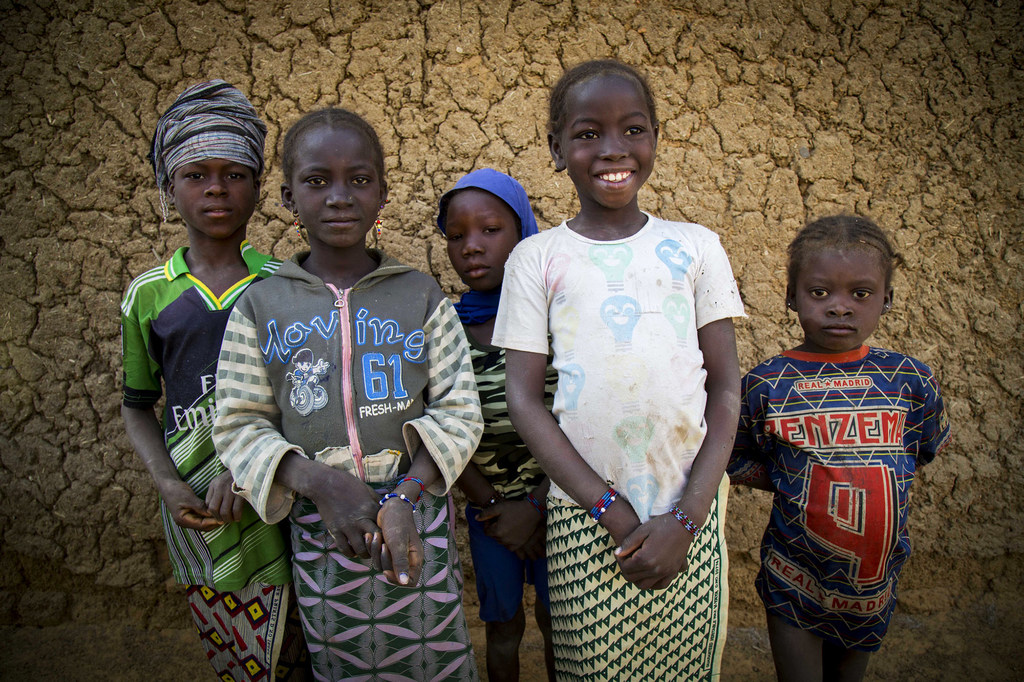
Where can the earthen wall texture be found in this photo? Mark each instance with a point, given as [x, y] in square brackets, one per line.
[772, 114]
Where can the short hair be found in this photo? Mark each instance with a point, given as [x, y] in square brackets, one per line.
[581, 73]
[840, 232]
[334, 118]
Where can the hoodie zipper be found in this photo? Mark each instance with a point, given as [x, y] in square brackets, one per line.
[348, 395]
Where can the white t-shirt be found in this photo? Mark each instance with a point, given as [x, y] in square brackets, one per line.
[623, 317]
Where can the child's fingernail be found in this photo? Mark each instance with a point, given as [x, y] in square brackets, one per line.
[403, 578]
[618, 551]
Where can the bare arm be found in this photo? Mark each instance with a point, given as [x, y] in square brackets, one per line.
[476, 487]
[561, 462]
[718, 344]
[146, 436]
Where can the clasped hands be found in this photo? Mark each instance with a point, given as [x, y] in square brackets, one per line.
[362, 527]
[516, 524]
[650, 554]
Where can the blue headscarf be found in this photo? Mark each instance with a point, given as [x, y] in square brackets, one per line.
[479, 306]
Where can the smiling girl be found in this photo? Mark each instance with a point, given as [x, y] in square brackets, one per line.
[639, 312]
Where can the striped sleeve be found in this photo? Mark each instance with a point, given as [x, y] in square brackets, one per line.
[247, 429]
[451, 424]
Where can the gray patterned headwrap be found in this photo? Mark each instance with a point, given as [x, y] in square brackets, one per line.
[211, 120]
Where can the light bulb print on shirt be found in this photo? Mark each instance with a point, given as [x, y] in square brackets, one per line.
[675, 257]
[678, 312]
[565, 323]
[629, 380]
[557, 268]
[620, 313]
[612, 259]
[633, 434]
[570, 383]
[641, 492]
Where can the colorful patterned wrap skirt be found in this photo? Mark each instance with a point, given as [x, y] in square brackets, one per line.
[606, 628]
[358, 626]
[252, 634]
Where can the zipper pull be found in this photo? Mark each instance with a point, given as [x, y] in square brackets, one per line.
[339, 299]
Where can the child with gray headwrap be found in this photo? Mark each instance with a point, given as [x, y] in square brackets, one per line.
[207, 154]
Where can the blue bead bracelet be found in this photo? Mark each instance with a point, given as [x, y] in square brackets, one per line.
[601, 506]
[536, 504]
[687, 522]
[400, 496]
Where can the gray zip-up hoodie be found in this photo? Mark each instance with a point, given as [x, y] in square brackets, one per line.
[356, 378]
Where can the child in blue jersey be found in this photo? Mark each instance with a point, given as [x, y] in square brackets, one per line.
[836, 430]
[208, 156]
[482, 218]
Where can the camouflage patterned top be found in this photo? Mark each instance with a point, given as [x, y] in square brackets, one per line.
[502, 456]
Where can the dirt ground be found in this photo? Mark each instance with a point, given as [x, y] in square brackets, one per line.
[957, 645]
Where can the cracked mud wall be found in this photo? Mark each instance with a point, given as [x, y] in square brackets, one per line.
[910, 112]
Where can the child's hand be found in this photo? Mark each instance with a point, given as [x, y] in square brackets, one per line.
[511, 522]
[401, 555]
[655, 553]
[221, 502]
[535, 545]
[187, 510]
[348, 508]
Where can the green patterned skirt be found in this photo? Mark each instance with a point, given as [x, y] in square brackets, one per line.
[606, 628]
[360, 627]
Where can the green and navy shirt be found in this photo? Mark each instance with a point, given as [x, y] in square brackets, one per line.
[171, 331]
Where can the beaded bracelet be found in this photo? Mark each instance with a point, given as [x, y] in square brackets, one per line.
[688, 523]
[423, 488]
[601, 506]
[400, 496]
[536, 504]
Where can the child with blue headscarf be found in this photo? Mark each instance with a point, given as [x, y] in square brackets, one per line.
[482, 218]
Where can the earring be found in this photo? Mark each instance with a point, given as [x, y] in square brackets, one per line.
[379, 224]
[789, 304]
[297, 224]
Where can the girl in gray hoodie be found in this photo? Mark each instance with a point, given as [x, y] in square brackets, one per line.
[346, 401]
